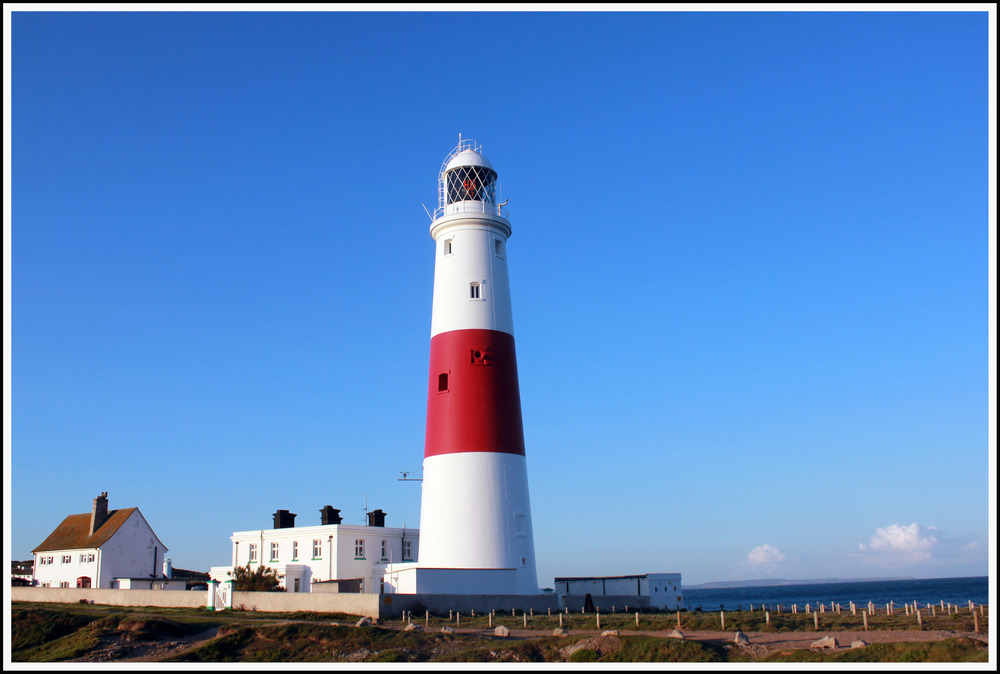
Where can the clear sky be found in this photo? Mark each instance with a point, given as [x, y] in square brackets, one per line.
[749, 266]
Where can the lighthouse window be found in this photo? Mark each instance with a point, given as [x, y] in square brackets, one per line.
[474, 291]
[443, 381]
[471, 183]
[447, 246]
[498, 246]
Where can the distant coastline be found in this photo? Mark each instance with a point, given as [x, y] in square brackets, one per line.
[775, 582]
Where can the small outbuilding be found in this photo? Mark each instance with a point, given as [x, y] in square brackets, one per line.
[661, 590]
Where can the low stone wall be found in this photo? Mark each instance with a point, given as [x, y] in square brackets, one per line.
[576, 602]
[393, 605]
[72, 595]
[319, 602]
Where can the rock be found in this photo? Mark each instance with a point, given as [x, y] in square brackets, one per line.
[676, 634]
[364, 622]
[859, 644]
[413, 627]
[334, 624]
[741, 638]
[825, 642]
[560, 632]
[501, 631]
[448, 630]
[610, 633]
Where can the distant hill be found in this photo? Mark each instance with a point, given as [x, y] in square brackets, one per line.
[771, 582]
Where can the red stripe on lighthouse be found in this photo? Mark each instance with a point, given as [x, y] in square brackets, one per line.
[473, 400]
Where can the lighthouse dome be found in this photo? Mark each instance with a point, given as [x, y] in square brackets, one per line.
[468, 158]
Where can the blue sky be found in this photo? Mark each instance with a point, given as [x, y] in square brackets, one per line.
[749, 268]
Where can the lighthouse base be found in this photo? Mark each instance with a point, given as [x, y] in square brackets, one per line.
[416, 579]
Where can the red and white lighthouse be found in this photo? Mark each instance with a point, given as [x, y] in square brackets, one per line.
[475, 512]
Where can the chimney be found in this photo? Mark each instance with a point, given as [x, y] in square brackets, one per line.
[284, 519]
[99, 515]
[330, 515]
[376, 518]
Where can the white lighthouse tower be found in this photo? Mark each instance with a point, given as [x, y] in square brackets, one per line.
[475, 515]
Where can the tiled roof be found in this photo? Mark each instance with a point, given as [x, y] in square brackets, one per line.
[73, 533]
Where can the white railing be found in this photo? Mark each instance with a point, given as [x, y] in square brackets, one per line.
[471, 207]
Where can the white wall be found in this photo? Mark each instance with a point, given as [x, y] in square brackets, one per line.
[129, 552]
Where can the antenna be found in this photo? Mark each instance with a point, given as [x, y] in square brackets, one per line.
[404, 473]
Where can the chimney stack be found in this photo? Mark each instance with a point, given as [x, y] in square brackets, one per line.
[99, 514]
[329, 515]
[284, 519]
[376, 518]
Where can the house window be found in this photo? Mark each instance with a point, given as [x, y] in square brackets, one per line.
[443, 382]
[385, 551]
[359, 548]
[86, 558]
[83, 581]
[64, 583]
[407, 551]
[253, 553]
[474, 293]
[295, 552]
[317, 549]
[67, 559]
[296, 585]
[274, 552]
[447, 247]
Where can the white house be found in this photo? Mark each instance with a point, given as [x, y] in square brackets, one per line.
[329, 557]
[663, 589]
[102, 548]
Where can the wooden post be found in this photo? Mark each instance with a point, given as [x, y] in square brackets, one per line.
[767, 618]
[795, 608]
[525, 616]
[888, 609]
[678, 618]
[491, 619]
[458, 619]
[933, 611]
[637, 620]
[854, 608]
[971, 608]
[598, 618]
[560, 620]
[864, 615]
[920, 620]
[427, 617]
[722, 617]
[816, 620]
[450, 615]
[550, 612]
[531, 612]
[975, 621]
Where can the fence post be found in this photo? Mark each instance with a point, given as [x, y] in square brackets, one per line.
[933, 611]
[491, 619]
[427, 618]
[458, 619]
[854, 609]
[816, 620]
[560, 620]
[864, 615]
[767, 618]
[678, 618]
[975, 621]
[722, 617]
[637, 620]
[598, 618]
[920, 620]
[525, 616]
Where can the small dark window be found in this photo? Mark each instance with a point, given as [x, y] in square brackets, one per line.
[443, 381]
[447, 247]
[474, 291]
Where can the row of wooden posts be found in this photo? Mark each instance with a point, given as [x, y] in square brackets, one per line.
[869, 610]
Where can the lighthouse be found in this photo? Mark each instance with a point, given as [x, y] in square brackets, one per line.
[475, 515]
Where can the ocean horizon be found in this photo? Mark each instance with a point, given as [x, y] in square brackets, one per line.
[881, 591]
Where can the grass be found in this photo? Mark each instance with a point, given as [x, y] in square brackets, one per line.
[61, 632]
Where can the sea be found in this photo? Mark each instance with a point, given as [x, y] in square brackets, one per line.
[923, 591]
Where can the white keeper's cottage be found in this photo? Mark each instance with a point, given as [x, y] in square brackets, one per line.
[329, 557]
[103, 549]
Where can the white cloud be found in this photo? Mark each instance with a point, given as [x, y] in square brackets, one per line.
[765, 554]
[907, 543]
